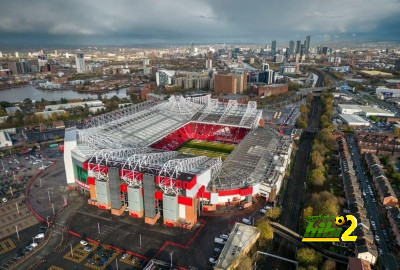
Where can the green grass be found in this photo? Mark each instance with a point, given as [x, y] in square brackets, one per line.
[208, 149]
[210, 146]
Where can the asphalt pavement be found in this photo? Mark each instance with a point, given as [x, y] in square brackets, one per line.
[372, 208]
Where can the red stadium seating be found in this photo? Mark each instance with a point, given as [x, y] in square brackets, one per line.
[200, 131]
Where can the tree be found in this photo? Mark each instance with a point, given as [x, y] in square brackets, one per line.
[300, 123]
[317, 160]
[317, 177]
[308, 257]
[266, 230]
[396, 131]
[27, 102]
[324, 203]
[308, 211]
[303, 109]
[329, 265]
[245, 263]
[274, 213]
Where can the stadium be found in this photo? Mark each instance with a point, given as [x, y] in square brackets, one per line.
[174, 158]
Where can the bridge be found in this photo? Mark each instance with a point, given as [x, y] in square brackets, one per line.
[296, 238]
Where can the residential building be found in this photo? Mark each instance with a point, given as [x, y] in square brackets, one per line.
[393, 215]
[382, 186]
[208, 64]
[378, 143]
[80, 63]
[358, 264]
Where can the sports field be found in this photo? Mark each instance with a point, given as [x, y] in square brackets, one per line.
[208, 149]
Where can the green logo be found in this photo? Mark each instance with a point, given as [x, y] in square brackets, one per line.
[325, 231]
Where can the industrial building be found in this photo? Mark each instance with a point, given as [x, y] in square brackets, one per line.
[387, 92]
[354, 120]
[363, 110]
[127, 160]
[5, 139]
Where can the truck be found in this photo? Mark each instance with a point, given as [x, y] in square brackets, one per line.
[218, 240]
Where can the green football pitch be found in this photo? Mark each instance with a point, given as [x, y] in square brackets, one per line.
[207, 148]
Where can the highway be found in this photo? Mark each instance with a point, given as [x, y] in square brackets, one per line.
[372, 208]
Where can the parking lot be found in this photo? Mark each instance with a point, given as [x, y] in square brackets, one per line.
[15, 215]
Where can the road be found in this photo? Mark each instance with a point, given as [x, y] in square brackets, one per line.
[372, 208]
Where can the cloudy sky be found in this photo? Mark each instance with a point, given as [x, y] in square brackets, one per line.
[126, 22]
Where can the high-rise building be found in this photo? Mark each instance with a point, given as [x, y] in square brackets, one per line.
[307, 44]
[298, 45]
[208, 64]
[302, 50]
[1, 55]
[273, 47]
[17, 54]
[291, 47]
[325, 50]
[146, 63]
[224, 84]
[80, 63]
[266, 76]
[55, 53]
[42, 59]
[25, 67]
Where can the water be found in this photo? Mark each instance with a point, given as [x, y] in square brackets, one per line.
[21, 93]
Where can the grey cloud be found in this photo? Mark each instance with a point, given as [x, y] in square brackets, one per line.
[218, 20]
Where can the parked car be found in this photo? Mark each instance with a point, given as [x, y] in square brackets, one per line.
[262, 210]
[87, 249]
[39, 236]
[376, 238]
[83, 242]
[224, 236]
[124, 256]
[246, 221]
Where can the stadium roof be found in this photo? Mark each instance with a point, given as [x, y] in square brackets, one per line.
[145, 123]
[254, 159]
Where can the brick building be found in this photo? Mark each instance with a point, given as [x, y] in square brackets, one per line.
[378, 143]
[381, 183]
[60, 80]
[270, 90]
[230, 83]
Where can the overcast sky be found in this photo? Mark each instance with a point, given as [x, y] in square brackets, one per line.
[125, 22]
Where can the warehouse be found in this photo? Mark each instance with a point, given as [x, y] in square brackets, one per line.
[349, 109]
[354, 120]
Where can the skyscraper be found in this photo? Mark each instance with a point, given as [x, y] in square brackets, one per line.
[291, 47]
[42, 59]
[208, 64]
[273, 47]
[80, 63]
[307, 44]
[298, 44]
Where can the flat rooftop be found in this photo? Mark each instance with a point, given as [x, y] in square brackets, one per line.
[354, 119]
[240, 238]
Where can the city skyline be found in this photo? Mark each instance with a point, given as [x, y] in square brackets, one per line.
[181, 22]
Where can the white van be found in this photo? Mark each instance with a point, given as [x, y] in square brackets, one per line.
[246, 221]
